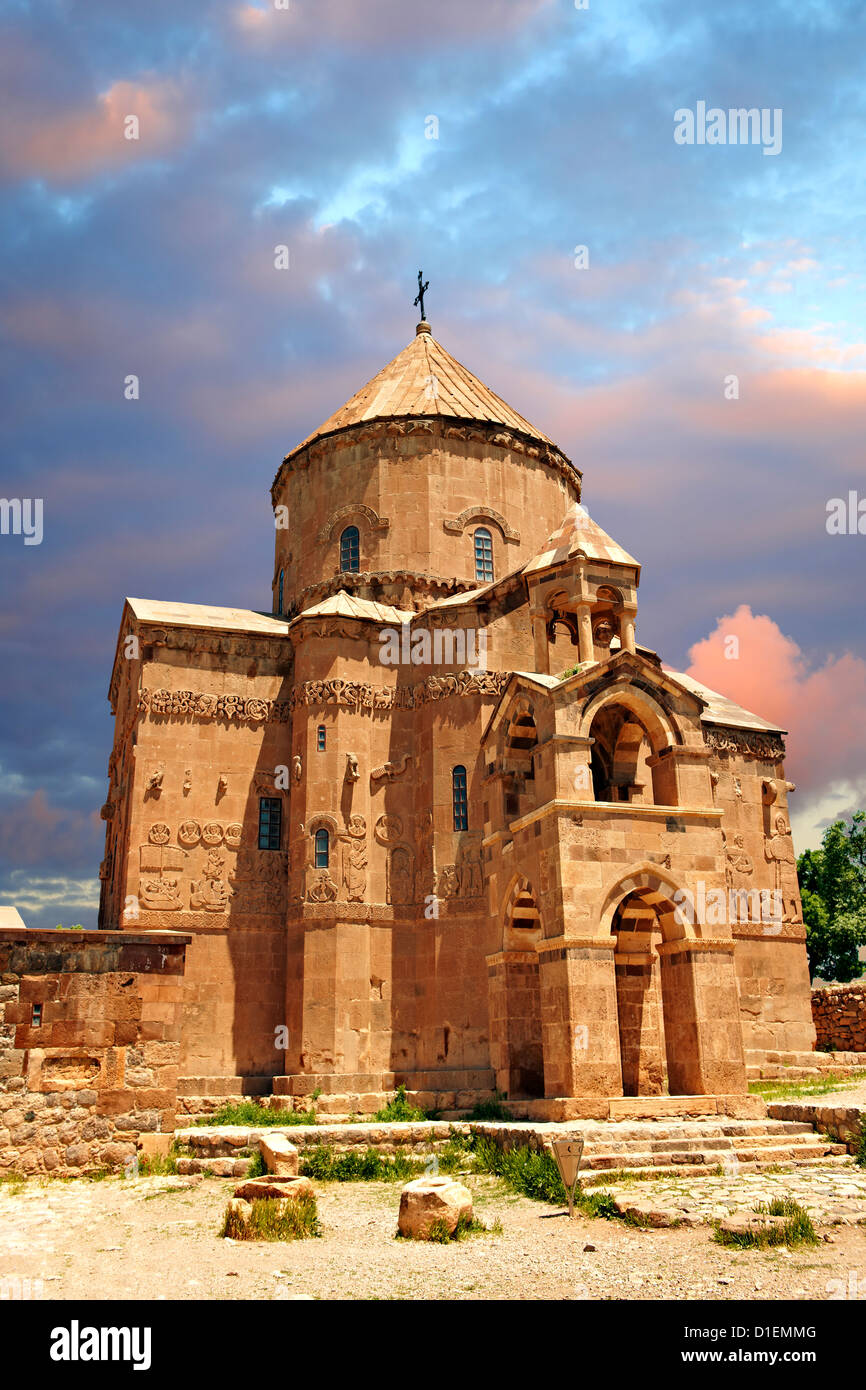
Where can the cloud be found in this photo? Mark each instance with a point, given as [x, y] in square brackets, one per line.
[34, 831]
[77, 140]
[384, 22]
[820, 704]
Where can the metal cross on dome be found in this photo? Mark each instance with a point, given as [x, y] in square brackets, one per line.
[423, 287]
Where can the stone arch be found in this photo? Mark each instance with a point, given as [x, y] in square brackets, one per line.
[660, 725]
[458, 525]
[520, 915]
[514, 996]
[657, 888]
[355, 511]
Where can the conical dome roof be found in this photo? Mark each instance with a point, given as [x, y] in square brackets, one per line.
[577, 532]
[425, 380]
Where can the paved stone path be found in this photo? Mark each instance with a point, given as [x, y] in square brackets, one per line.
[832, 1195]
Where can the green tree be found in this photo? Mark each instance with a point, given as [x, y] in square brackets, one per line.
[833, 890]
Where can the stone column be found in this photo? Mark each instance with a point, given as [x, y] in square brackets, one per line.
[579, 1030]
[540, 644]
[586, 646]
[703, 1032]
[627, 629]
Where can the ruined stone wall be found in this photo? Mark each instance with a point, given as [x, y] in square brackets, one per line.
[839, 1012]
[90, 1027]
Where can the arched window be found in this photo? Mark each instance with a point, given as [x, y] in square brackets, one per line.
[350, 550]
[458, 795]
[323, 849]
[280, 595]
[321, 738]
[483, 555]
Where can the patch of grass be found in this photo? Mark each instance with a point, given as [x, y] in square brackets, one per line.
[250, 1112]
[327, 1166]
[257, 1167]
[298, 1221]
[860, 1151]
[439, 1233]
[13, 1183]
[809, 1086]
[100, 1175]
[163, 1165]
[531, 1172]
[623, 1176]
[491, 1109]
[796, 1230]
[399, 1109]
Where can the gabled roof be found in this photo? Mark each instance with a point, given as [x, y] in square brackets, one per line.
[424, 380]
[578, 532]
[719, 709]
[148, 610]
[343, 605]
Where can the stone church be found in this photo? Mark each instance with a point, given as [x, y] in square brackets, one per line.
[437, 817]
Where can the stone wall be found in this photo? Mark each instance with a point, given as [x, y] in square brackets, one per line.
[839, 1012]
[89, 1045]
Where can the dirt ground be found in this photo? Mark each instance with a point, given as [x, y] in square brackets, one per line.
[156, 1238]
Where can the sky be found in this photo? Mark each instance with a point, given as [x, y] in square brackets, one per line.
[702, 360]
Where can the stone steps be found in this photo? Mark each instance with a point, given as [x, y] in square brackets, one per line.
[697, 1170]
[711, 1158]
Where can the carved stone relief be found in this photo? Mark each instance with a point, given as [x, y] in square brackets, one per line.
[779, 851]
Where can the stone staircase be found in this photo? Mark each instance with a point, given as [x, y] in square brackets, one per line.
[702, 1146]
[649, 1147]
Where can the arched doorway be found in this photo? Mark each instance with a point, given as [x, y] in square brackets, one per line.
[515, 998]
[656, 990]
[640, 1013]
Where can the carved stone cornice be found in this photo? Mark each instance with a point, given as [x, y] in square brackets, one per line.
[437, 585]
[387, 433]
[357, 695]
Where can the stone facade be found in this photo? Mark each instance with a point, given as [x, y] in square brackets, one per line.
[406, 844]
[839, 1012]
[89, 1046]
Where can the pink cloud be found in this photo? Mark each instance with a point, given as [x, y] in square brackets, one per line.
[74, 141]
[821, 707]
[388, 22]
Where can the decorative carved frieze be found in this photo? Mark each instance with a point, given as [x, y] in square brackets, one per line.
[359, 695]
[191, 704]
[749, 743]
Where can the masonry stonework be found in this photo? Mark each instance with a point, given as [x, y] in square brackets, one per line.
[90, 1028]
[839, 1012]
[437, 816]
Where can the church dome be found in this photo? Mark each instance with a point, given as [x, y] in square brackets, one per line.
[424, 484]
[425, 381]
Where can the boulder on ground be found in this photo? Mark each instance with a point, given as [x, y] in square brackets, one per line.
[746, 1223]
[427, 1200]
[279, 1155]
[290, 1187]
